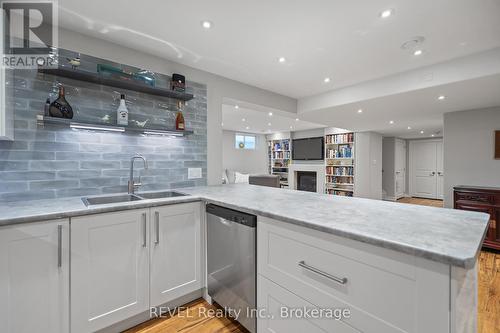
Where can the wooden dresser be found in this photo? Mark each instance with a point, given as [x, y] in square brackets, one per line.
[481, 199]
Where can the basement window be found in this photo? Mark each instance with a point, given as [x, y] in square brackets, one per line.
[244, 141]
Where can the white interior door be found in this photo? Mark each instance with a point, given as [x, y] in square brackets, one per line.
[439, 170]
[34, 277]
[175, 252]
[109, 268]
[424, 174]
[400, 168]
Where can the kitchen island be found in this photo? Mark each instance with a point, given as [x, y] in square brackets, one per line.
[404, 268]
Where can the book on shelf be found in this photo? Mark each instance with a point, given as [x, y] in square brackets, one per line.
[340, 170]
[341, 152]
[345, 138]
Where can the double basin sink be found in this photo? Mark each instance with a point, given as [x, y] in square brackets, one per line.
[91, 201]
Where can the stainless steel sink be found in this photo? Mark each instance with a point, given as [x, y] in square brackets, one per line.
[160, 195]
[90, 201]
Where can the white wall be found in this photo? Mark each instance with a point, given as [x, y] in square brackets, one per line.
[368, 165]
[469, 150]
[244, 160]
[217, 87]
[388, 166]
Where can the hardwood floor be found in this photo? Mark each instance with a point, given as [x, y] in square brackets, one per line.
[190, 319]
[488, 280]
[422, 202]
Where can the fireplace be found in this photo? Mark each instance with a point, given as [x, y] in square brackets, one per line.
[306, 181]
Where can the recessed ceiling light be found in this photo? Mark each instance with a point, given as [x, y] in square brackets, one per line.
[243, 119]
[432, 135]
[248, 127]
[281, 59]
[236, 106]
[296, 119]
[270, 114]
[291, 127]
[409, 127]
[391, 122]
[441, 97]
[222, 124]
[206, 24]
[268, 124]
[386, 13]
[326, 80]
[360, 111]
[421, 132]
[417, 52]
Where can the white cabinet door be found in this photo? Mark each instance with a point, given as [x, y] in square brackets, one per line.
[175, 252]
[424, 173]
[34, 278]
[440, 172]
[109, 268]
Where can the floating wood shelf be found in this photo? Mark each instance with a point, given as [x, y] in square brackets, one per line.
[97, 78]
[45, 120]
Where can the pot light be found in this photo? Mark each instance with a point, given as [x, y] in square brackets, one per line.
[409, 127]
[243, 119]
[296, 119]
[391, 122]
[386, 13]
[418, 52]
[291, 127]
[236, 106]
[360, 111]
[421, 132]
[432, 135]
[270, 114]
[248, 127]
[281, 59]
[268, 124]
[441, 97]
[206, 24]
[326, 80]
[222, 124]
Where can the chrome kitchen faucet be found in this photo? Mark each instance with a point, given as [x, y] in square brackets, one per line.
[131, 184]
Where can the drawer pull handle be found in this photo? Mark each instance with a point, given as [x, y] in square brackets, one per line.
[320, 272]
[144, 230]
[157, 227]
[59, 245]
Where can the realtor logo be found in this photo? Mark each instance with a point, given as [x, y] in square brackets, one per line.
[29, 34]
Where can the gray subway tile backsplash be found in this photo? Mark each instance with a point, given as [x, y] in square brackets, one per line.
[52, 162]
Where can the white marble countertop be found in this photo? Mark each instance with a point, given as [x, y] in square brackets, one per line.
[448, 236]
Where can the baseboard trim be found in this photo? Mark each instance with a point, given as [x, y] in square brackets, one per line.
[145, 316]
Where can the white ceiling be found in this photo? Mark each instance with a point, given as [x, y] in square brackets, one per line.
[257, 120]
[419, 109]
[343, 40]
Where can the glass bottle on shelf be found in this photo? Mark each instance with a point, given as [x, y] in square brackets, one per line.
[179, 120]
[60, 108]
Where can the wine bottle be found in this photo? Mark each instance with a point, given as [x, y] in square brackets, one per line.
[60, 108]
[179, 120]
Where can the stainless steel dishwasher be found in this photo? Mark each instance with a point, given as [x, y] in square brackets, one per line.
[231, 262]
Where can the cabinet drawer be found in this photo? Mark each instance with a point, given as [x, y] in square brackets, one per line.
[481, 198]
[382, 288]
[279, 318]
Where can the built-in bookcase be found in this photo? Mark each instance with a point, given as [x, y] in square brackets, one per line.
[339, 164]
[279, 152]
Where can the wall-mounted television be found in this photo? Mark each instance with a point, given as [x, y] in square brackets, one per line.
[308, 149]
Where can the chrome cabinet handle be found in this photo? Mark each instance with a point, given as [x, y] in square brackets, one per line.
[144, 230]
[157, 227]
[440, 173]
[433, 173]
[324, 274]
[59, 246]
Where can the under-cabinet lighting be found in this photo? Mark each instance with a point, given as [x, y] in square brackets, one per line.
[163, 133]
[96, 127]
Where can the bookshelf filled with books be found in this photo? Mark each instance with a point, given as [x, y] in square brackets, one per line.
[339, 164]
[279, 154]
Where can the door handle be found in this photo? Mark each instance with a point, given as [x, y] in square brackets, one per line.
[144, 230]
[59, 246]
[157, 227]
